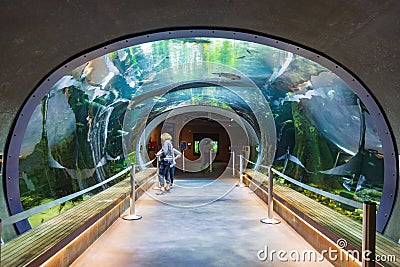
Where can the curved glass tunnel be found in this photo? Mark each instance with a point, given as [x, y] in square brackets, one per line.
[288, 112]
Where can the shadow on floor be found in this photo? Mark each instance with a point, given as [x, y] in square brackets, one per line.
[217, 169]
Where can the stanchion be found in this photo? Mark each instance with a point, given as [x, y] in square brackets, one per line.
[157, 183]
[132, 213]
[270, 219]
[241, 171]
[183, 160]
[1, 241]
[233, 163]
[210, 160]
[369, 234]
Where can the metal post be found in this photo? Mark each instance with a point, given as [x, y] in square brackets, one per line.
[183, 160]
[157, 183]
[1, 238]
[369, 234]
[241, 171]
[270, 219]
[233, 163]
[132, 213]
[210, 160]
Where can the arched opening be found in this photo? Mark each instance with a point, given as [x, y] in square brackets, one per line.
[303, 111]
[189, 142]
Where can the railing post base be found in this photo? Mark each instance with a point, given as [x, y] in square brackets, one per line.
[132, 211]
[270, 221]
[132, 217]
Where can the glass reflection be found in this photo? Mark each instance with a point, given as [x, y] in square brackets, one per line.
[73, 139]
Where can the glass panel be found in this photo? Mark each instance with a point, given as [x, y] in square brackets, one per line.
[324, 135]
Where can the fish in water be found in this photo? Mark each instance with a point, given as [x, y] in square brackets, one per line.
[287, 121]
[227, 75]
[196, 40]
[160, 99]
[241, 57]
[122, 55]
[122, 133]
[275, 102]
[296, 97]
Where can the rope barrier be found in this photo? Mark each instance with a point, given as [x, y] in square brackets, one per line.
[338, 198]
[28, 213]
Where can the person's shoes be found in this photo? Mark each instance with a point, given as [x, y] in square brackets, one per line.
[161, 192]
[170, 186]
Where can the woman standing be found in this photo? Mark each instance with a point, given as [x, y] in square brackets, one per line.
[166, 155]
[171, 171]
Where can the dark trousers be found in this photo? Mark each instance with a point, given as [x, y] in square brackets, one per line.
[171, 174]
[163, 173]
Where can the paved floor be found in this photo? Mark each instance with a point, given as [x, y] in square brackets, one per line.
[199, 223]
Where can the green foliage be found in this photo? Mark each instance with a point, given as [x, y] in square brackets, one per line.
[132, 158]
[312, 150]
[48, 214]
[367, 194]
[31, 201]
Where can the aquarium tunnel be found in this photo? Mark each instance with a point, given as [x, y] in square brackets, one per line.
[275, 103]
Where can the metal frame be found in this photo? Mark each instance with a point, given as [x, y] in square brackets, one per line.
[15, 138]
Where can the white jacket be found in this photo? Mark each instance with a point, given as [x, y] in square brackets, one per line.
[170, 156]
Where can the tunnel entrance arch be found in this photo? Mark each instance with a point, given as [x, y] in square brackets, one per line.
[13, 149]
[181, 116]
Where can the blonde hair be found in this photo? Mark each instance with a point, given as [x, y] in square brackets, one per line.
[165, 136]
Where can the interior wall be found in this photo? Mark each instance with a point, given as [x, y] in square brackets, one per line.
[155, 136]
[362, 36]
[213, 128]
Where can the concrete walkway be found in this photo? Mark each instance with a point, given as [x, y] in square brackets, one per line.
[199, 223]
